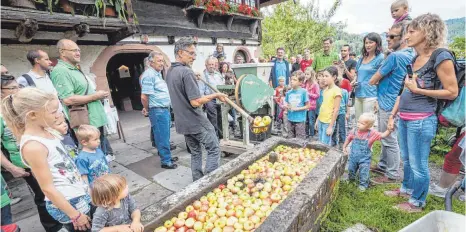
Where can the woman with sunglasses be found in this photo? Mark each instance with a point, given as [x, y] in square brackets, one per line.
[367, 66]
[16, 167]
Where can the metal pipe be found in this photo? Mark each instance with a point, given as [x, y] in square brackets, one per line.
[230, 102]
[449, 195]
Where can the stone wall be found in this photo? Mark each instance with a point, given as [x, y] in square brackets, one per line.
[302, 210]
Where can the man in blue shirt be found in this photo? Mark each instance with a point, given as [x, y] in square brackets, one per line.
[156, 101]
[389, 80]
[280, 68]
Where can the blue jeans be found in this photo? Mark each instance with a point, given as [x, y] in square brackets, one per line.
[7, 219]
[312, 115]
[160, 121]
[323, 137]
[82, 204]
[415, 138]
[340, 130]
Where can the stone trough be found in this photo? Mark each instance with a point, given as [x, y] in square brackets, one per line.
[302, 210]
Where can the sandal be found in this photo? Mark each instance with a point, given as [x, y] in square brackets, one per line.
[396, 193]
[408, 208]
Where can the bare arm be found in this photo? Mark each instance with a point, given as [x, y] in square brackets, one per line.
[336, 108]
[84, 99]
[35, 155]
[145, 101]
[375, 79]
[385, 134]
[14, 170]
[447, 76]
[204, 99]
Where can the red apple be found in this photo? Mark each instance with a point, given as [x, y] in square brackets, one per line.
[221, 187]
[190, 230]
[182, 229]
[179, 223]
[192, 214]
[204, 208]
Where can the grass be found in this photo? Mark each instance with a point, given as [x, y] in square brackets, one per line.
[375, 210]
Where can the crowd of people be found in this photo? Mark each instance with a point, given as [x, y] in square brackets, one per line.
[59, 146]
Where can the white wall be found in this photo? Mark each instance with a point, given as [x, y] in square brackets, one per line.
[14, 56]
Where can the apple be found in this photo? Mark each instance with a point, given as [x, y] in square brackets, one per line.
[183, 215]
[231, 221]
[168, 224]
[197, 205]
[189, 222]
[239, 213]
[264, 195]
[286, 187]
[248, 212]
[264, 208]
[248, 225]
[179, 223]
[161, 229]
[202, 216]
[240, 207]
[198, 226]
[239, 184]
[255, 207]
[204, 208]
[228, 229]
[181, 229]
[220, 223]
[212, 198]
[221, 212]
[213, 218]
[259, 186]
[255, 194]
[260, 214]
[230, 213]
[240, 177]
[275, 197]
[242, 220]
[217, 229]
[190, 230]
[238, 226]
[208, 226]
[189, 208]
[174, 219]
[192, 214]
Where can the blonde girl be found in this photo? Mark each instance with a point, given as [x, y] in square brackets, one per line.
[30, 114]
[116, 209]
[313, 91]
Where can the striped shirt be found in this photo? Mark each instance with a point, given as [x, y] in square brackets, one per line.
[153, 85]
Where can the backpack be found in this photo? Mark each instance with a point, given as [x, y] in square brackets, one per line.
[29, 80]
[451, 112]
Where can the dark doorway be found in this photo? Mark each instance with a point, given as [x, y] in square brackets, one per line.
[123, 71]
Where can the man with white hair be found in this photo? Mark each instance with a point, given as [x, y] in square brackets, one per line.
[214, 78]
[156, 101]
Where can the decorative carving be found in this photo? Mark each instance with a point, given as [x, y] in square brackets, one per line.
[26, 29]
[214, 40]
[79, 30]
[171, 39]
[230, 22]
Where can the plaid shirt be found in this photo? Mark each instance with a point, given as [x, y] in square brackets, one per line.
[322, 61]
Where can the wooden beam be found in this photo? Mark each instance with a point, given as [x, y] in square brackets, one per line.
[44, 18]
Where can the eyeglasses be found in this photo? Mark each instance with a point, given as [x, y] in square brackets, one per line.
[7, 77]
[72, 50]
[190, 53]
[392, 36]
[12, 88]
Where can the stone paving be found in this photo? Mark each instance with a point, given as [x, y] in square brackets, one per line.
[136, 160]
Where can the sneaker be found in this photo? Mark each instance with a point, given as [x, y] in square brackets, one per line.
[383, 180]
[395, 193]
[377, 169]
[362, 188]
[15, 200]
[110, 158]
[408, 208]
[438, 191]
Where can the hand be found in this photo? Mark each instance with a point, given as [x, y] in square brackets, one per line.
[137, 226]
[345, 151]
[144, 112]
[376, 108]
[411, 84]
[18, 172]
[329, 131]
[123, 228]
[83, 223]
[102, 94]
[391, 123]
[316, 126]
[347, 116]
[221, 97]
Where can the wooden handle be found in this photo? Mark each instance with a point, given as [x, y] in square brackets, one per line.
[230, 102]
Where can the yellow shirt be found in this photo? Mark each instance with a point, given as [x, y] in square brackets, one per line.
[326, 109]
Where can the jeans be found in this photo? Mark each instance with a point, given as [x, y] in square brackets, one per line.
[323, 137]
[339, 134]
[81, 203]
[360, 159]
[364, 105]
[415, 138]
[105, 144]
[390, 157]
[47, 221]
[7, 218]
[160, 122]
[208, 139]
[312, 115]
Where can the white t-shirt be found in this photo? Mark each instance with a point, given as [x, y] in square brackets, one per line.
[65, 174]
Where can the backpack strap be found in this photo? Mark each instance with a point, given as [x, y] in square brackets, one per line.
[29, 80]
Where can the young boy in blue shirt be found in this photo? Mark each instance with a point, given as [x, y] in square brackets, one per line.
[297, 104]
[91, 161]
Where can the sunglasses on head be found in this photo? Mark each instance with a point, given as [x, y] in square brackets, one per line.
[392, 36]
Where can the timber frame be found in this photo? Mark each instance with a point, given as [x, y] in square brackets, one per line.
[28, 22]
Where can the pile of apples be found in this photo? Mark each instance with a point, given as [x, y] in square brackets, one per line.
[260, 124]
[244, 202]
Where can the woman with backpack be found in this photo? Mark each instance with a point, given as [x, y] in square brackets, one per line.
[417, 106]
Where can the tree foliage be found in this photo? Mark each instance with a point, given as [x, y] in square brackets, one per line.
[458, 46]
[296, 27]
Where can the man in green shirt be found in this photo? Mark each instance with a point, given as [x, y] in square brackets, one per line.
[72, 85]
[326, 58]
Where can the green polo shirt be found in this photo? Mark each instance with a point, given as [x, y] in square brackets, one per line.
[4, 199]
[69, 81]
[322, 61]
[10, 144]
